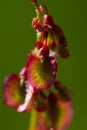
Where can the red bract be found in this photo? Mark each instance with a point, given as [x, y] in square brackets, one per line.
[15, 91]
[40, 102]
[58, 114]
[41, 72]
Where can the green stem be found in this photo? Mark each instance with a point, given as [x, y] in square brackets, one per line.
[33, 118]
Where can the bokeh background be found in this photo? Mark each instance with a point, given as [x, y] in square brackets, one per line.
[17, 38]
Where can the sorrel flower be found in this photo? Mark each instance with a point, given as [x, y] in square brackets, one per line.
[35, 88]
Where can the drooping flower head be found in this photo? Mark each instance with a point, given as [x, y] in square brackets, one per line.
[32, 87]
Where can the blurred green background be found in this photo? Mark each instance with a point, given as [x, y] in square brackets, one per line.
[17, 38]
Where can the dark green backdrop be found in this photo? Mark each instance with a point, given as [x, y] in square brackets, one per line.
[17, 38]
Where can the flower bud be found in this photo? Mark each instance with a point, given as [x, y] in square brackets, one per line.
[36, 23]
[39, 44]
[44, 51]
[33, 1]
[48, 20]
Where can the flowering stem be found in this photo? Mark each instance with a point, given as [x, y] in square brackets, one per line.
[32, 123]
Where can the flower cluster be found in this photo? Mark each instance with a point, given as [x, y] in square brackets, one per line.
[36, 85]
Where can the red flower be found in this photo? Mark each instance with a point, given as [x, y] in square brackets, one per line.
[36, 86]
